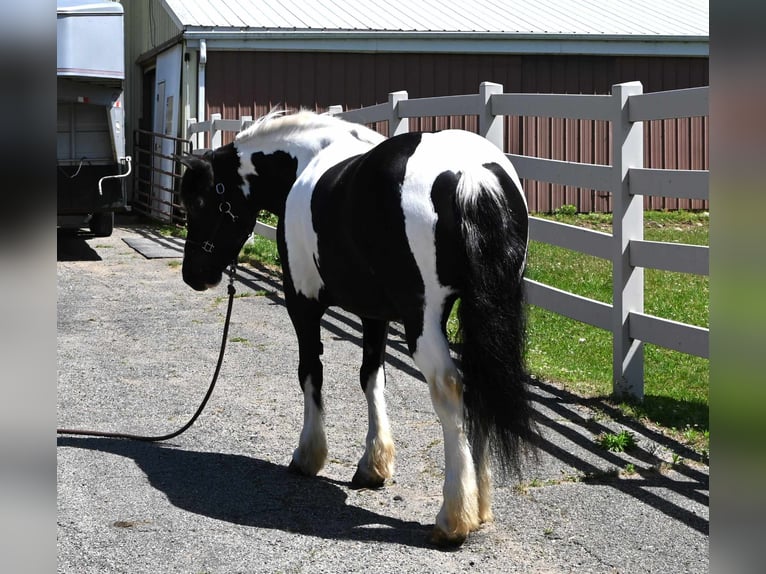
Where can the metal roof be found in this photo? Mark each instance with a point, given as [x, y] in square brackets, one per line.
[567, 23]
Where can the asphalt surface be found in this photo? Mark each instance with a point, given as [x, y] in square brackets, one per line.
[136, 349]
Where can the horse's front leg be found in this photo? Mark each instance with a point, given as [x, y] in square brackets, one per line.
[310, 456]
[377, 463]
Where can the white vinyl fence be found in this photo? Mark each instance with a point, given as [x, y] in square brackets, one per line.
[628, 181]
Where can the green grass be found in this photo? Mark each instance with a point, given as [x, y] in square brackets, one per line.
[563, 350]
[259, 249]
[168, 230]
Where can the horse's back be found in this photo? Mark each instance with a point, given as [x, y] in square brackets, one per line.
[387, 222]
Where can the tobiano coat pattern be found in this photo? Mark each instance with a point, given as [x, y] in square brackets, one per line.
[391, 229]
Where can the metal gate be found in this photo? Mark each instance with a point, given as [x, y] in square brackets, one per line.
[158, 175]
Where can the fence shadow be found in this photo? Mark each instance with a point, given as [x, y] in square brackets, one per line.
[563, 418]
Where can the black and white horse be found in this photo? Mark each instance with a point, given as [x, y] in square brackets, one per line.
[391, 230]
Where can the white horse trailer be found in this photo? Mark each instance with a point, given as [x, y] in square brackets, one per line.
[90, 131]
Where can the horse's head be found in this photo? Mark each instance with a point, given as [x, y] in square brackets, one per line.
[219, 217]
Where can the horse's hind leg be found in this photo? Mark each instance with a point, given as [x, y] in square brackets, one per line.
[310, 456]
[484, 479]
[459, 513]
[377, 463]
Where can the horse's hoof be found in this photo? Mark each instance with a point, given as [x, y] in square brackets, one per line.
[366, 480]
[441, 539]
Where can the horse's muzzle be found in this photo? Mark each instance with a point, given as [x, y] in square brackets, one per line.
[200, 279]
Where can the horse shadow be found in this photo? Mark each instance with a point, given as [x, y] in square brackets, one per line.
[252, 492]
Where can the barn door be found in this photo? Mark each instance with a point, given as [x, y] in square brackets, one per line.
[165, 121]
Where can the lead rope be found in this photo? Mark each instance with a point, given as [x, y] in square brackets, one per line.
[85, 432]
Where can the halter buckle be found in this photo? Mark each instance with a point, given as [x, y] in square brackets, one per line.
[225, 208]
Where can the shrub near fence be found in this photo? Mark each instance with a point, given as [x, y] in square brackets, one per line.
[626, 180]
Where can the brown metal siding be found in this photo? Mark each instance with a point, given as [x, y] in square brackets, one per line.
[251, 83]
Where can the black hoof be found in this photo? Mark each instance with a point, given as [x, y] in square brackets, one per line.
[364, 480]
[440, 539]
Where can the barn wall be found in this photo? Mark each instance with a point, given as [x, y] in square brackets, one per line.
[252, 82]
[147, 27]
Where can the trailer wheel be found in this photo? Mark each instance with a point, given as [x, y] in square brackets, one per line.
[102, 224]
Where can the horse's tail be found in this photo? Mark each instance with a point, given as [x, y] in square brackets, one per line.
[494, 228]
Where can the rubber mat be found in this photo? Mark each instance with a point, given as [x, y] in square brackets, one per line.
[157, 247]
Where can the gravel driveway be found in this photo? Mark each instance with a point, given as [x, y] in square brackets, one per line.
[136, 349]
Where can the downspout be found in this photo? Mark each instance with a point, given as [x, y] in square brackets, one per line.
[201, 88]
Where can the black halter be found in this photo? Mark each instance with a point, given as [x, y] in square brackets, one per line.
[224, 208]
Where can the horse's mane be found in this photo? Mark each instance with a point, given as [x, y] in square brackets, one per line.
[279, 124]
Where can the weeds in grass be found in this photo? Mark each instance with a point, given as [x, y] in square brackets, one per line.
[566, 210]
[617, 442]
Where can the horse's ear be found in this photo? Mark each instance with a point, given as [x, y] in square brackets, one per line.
[198, 176]
[189, 160]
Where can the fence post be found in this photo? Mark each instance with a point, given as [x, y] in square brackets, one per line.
[628, 225]
[214, 133]
[193, 136]
[490, 125]
[397, 125]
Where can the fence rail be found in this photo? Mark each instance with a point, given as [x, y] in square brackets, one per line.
[214, 128]
[570, 106]
[690, 184]
[626, 179]
[688, 103]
